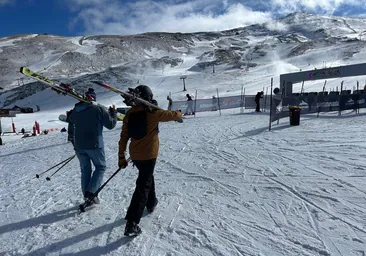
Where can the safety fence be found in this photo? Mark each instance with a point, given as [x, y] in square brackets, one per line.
[278, 105]
[316, 103]
[219, 103]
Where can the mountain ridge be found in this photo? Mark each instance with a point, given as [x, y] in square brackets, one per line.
[126, 59]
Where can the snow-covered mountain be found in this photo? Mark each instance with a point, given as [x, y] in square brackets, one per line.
[298, 41]
[226, 185]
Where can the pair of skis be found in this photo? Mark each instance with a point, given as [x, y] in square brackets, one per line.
[66, 89]
[58, 87]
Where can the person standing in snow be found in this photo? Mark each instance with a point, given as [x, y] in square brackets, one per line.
[140, 125]
[86, 122]
[170, 104]
[257, 100]
[214, 103]
[189, 110]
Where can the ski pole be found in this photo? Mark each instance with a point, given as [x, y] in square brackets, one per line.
[63, 161]
[87, 202]
[68, 160]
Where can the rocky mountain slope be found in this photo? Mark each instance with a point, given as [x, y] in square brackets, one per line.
[289, 44]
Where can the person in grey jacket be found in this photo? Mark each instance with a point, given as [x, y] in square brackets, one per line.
[86, 122]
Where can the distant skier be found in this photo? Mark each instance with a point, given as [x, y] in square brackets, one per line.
[140, 125]
[257, 100]
[214, 103]
[170, 104]
[189, 110]
[86, 122]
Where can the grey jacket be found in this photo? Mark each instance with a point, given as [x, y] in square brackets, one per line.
[86, 122]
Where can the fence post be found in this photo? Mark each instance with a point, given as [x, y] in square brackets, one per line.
[358, 97]
[265, 100]
[218, 100]
[244, 99]
[340, 98]
[282, 94]
[241, 100]
[13, 125]
[325, 83]
[271, 104]
[195, 104]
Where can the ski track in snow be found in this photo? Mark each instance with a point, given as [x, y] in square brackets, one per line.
[226, 186]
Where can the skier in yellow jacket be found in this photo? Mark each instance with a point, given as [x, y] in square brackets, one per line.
[140, 125]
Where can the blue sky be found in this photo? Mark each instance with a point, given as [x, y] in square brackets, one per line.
[90, 17]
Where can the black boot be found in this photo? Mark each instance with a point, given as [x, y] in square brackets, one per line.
[132, 229]
[151, 209]
[88, 195]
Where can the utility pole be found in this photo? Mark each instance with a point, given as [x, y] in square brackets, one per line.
[213, 62]
[184, 82]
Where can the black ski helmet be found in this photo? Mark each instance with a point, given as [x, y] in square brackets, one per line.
[90, 94]
[144, 92]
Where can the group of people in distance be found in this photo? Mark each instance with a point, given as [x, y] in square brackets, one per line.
[190, 111]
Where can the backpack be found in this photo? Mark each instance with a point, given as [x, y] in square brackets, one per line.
[137, 125]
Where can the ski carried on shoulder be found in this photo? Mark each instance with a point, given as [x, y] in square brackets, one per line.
[58, 87]
[130, 97]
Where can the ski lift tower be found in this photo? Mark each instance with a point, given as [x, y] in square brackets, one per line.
[184, 82]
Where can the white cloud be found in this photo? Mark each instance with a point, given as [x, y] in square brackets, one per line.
[115, 17]
[276, 26]
[112, 17]
[318, 6]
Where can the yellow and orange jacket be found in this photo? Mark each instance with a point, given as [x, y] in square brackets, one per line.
[147, 147]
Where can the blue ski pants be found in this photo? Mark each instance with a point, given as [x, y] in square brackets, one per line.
[91, 181]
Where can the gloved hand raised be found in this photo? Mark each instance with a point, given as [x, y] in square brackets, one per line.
[179, 115]
[112, 111]
[122, 162]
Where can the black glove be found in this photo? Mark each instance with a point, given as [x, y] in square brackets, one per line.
[122, 162]
[112, 112]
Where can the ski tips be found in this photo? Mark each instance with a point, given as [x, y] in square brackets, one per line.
[23, 70]
[96, 82]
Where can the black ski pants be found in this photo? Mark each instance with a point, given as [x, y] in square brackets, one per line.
[257, 107]
[144, 194]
